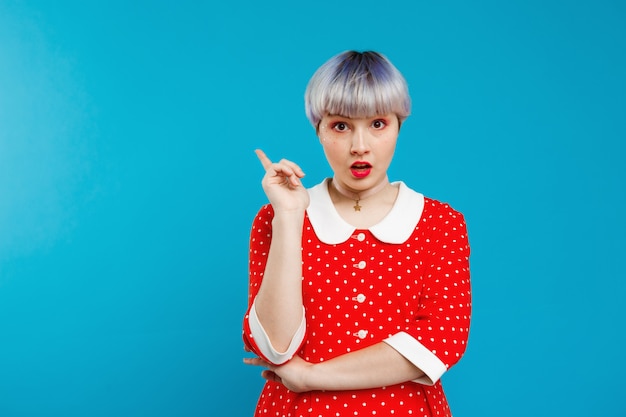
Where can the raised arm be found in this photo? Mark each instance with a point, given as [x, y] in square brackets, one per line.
[277, 303]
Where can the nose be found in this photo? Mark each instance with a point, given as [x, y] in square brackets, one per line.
[360, 143]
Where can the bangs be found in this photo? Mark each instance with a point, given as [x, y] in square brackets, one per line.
[362, 97]
[357, 85]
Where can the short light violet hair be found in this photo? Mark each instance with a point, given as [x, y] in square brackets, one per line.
[357, 84]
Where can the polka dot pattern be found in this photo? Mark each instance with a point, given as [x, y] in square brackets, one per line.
[362, 291]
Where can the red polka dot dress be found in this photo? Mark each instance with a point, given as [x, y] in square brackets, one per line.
[404, 281]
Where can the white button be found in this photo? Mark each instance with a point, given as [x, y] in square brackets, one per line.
[362, 334]
[360, 298]
[360, 237]
[361, 265]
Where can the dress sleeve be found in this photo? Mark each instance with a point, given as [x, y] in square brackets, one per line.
[437, 338]
[254, 336]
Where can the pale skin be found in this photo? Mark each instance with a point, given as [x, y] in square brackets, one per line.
[279, 300]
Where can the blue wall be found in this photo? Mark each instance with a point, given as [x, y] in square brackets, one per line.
[128, 184]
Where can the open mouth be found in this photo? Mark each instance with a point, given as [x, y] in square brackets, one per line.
[360, 169]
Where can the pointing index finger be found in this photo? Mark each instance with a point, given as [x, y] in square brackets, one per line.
[265, 161]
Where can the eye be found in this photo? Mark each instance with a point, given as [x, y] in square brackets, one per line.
[378, 124]
[340, 126]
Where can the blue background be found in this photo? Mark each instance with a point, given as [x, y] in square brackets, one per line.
[128, 184]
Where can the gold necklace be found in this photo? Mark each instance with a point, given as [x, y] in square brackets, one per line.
[357, 197]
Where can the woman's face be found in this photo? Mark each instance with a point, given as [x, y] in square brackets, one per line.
[359, 151]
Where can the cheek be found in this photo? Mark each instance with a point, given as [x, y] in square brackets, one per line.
[334, 150]
[388, 142]
[331, 144]
[388, 148]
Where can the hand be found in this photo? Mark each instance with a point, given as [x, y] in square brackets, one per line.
[292, 374]
[282, 184]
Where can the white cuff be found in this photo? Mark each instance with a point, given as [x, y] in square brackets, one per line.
[419, 356]
[264, 344]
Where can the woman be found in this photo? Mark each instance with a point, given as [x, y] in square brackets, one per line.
[359, 296]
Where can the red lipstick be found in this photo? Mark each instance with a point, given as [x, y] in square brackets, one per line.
[360, 169]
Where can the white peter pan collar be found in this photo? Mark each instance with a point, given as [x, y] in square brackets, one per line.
[396, 227]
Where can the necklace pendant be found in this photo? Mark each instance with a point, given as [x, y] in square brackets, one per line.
[356, 206]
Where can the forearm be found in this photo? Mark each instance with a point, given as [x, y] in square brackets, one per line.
[278, 303]
[375, 366]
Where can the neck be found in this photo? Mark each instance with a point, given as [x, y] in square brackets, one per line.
[361, 195]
